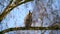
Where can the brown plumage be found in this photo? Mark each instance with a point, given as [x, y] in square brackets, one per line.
[28, 20]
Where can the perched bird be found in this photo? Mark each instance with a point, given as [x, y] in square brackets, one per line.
[28, 20]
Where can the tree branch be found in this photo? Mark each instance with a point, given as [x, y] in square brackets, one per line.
[5, 11]
[30, 28]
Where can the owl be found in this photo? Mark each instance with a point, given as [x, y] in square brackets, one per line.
[28, 20]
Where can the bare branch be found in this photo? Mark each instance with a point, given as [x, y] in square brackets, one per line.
[30, 28]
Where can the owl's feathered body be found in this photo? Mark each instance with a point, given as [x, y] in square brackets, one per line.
[28, 20]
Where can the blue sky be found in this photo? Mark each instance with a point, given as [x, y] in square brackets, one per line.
[16, 16]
